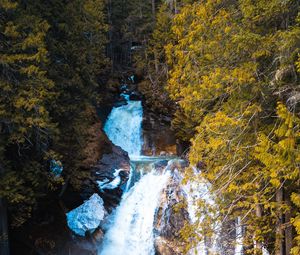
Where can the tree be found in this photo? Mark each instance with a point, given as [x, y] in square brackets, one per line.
[76, 43]
[26, 93]
[230, 63]
[52, 58]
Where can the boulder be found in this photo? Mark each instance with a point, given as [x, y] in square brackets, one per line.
[106, 166]
[86, 217]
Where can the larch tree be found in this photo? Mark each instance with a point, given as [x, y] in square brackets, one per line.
[231, 65]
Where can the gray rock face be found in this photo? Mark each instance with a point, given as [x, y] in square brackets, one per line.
[164, 247]
[117, 159]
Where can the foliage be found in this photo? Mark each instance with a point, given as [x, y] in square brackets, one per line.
[151, 61]
[154, 69]
[232, 73]
[51, 57]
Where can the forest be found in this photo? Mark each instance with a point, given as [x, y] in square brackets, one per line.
[224, 74]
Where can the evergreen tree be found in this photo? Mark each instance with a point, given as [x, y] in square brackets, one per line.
[25, 95]
[76, 42]
[52, 58]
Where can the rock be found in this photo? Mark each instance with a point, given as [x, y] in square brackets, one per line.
[96, 144]
[98, 236]
[109, 163]
[121, 100]
[164, 247]
[182, 148]
[116, 159]
[86, 217]
[163, 153]
[109, 174]
[172, 214]
[161, 165]
[157, 135]
[114, 183]
[135, 96]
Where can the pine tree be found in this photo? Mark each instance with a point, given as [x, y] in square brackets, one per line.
[155, 68]
[76, 44]
[52, 58]
[25, 95]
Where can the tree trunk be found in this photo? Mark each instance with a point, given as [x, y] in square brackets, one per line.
[175, 7]
[153, 8]
[110, 47]
[156, 63]
[288, 231]
[258, 245]
[4, 244]
[279, 243]
[206, 245]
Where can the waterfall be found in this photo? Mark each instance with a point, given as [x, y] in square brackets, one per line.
[130, 226]
[124, 126]
[131, 232]
[131, 229]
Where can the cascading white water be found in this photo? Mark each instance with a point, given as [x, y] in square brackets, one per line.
[131, 229]
[124, 126]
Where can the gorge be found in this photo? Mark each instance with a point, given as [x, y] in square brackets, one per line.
[162, 127]
[146, 221]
